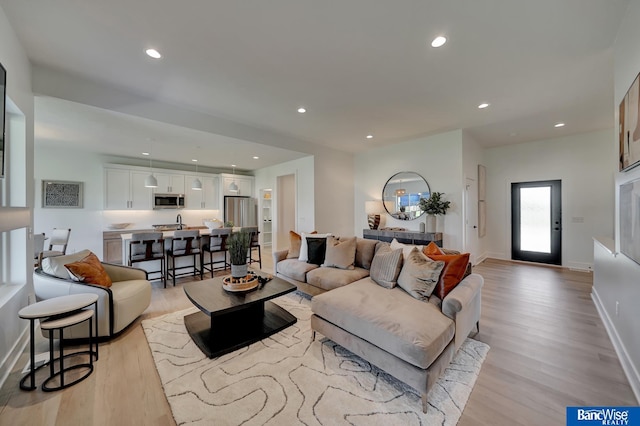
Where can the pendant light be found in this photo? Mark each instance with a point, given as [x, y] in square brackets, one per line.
[151, 181]
[196, 184]
[233, 187]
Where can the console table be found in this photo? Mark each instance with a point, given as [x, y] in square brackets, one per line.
[406, 237]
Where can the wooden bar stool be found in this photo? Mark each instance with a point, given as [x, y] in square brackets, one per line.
[183, 244]
[148, 247]
[254, 244]
[215, 242]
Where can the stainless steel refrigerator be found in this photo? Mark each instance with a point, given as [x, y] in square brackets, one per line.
[242, 211]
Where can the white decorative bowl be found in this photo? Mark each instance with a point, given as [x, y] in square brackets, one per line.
[212, 224]
[119, 225]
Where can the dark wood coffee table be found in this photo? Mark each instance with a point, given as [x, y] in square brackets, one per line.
[229, 321]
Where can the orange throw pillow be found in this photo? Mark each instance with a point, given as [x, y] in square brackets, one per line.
[295, 242]
[455, 266]
[89, 270]
[432, 248]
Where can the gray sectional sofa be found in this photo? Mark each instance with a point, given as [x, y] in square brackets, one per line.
[413, 340]
[315, 279]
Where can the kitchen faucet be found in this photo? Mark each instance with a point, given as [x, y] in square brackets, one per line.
[179, 220]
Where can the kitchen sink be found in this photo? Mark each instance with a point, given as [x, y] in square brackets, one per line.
[169, 227]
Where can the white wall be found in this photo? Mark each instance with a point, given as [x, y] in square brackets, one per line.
[13, 297]
[87, 224]
[472, 156]
[436, 158]
[303, 169]
[616, 288]
[333, 189]
[582, 162]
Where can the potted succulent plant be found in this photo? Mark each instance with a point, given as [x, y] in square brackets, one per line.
[238, 246]
[432, 206]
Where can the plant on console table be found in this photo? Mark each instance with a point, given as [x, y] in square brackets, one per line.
[238, 246]
[432, 206]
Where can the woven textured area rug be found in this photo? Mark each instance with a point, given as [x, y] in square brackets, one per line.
[287, 379]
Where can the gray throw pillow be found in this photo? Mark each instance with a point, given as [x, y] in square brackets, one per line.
[340, 253]
[365, 250]
[385, 266]
[419, 275]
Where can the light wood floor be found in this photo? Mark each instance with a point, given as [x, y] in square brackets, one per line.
[549, 350]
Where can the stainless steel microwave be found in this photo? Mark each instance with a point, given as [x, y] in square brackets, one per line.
[168, 201]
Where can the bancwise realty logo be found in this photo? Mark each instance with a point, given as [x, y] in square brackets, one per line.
[603, 416]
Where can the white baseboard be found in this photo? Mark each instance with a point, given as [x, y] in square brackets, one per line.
[627, 364]
[575, 266]
[499, 256]
[481, 258]
[580, 266]
[12, 357]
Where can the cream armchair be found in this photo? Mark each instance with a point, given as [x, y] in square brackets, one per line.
[118, 305]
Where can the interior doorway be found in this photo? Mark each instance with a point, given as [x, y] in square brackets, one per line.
[285, 210]
[536, 221]
[471, 218]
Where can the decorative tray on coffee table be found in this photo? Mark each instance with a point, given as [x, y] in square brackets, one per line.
[247, 283]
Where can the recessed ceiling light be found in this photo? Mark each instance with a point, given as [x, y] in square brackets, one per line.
[233, 165]
[255, 157]
[438, 41]
[369, 136]
[483, 105]
[145, 153]
[302, 110]
[559, 125]
[153, 53]
[194, 160]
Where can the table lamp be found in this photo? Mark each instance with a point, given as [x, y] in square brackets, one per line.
[373, 209]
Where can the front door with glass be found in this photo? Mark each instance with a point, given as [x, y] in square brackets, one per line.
[536, 221]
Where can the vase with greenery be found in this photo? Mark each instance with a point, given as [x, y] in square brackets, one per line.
[238, 246]
[433, 206]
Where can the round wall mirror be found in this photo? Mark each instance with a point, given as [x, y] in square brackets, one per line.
[401, 195]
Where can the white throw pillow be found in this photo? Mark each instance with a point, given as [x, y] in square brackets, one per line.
[304, 248]
[55, 265]
[406, 248]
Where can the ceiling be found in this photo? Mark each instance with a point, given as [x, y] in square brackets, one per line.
[65, 124]
[359, 67]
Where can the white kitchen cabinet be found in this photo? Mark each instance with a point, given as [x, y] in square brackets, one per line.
[245, 185]
[125, 190]
[170, 183]
[207, 198]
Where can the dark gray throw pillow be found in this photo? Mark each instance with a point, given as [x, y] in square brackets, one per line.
[317, 249]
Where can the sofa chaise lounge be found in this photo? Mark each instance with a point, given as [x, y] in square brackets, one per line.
[413, 339]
